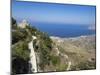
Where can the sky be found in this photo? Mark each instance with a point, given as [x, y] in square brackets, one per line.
[54, 13]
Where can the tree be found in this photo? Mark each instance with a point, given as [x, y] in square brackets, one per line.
[14, 23]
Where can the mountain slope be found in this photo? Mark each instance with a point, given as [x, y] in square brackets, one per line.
[49, 53]
[80, 50]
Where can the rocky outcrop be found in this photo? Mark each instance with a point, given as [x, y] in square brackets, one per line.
[23, 24]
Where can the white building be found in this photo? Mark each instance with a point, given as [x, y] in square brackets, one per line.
[23, 24]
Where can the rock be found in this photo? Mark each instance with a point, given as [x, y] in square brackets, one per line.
[23, 24]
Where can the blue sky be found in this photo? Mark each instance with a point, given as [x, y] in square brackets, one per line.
[54, 13]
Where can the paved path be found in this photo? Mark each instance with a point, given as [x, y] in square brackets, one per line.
[69, 62]
[32, 55]
[69, 65]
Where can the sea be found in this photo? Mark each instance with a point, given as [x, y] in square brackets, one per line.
[64, 30]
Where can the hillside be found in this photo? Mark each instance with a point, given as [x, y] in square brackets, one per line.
[80, 50]
[20, 51]
[35, 51]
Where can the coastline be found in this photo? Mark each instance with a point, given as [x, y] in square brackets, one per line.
[82, 36]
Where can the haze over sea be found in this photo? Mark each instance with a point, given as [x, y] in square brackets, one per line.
[64, 30]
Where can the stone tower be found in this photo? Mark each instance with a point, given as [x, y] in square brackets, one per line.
[23, 24]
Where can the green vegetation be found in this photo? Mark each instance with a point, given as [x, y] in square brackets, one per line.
[20, 52]
[14, 23]
[44, 46]
[20, 57]
[55, 60]
[62, 67]
[80, 51]
[45, 49]
[86, 65]
[18, 35]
